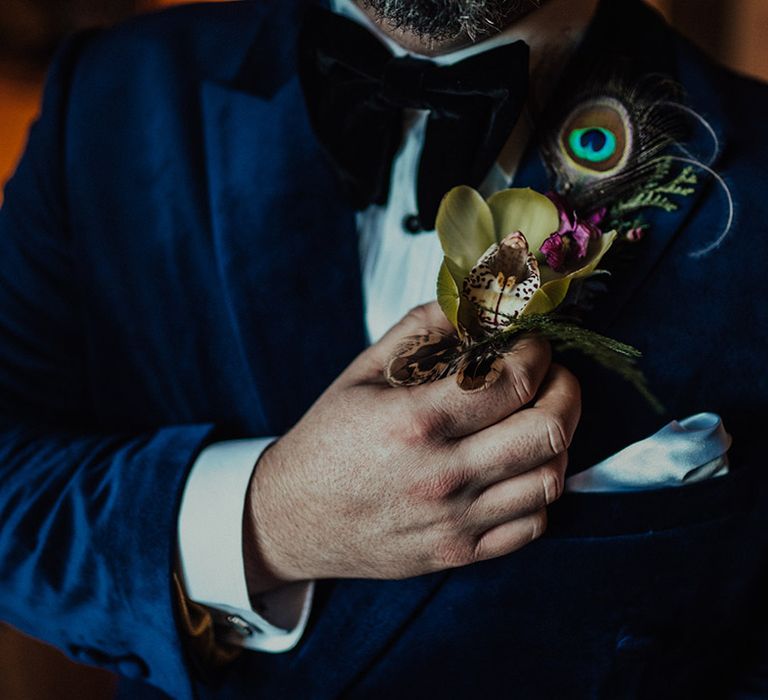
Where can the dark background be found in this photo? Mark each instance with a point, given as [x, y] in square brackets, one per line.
[731, 30]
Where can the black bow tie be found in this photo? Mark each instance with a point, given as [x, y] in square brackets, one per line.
[356, 91]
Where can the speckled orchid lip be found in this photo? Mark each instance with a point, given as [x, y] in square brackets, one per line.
[503, 282]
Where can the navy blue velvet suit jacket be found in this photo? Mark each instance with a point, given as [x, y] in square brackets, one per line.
[177, 265]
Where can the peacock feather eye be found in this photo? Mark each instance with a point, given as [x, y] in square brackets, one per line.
[594, 144]
[596, 137]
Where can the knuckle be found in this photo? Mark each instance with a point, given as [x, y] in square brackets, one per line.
[452, 552]
[552, 484]
[431, 425]
[420, 428]
[417, 430]
[463, 517]
[530, 360]
[443, 485]
[535, 348]
[442, 422]
[557, 434]
[538, 524]
[522, 385]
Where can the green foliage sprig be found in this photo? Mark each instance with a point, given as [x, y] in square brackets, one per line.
[659, 191]
[565, 335]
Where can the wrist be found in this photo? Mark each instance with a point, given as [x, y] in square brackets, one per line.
[264, 530]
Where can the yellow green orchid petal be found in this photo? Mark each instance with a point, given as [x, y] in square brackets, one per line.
[596, 252]
[465, 228]
[457, 309]
[524, 210]
[455, 271]
[541, 302]
[553, 290]
[448, 295]
[548, 297]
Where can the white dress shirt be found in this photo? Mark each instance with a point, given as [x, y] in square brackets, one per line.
[399, 270]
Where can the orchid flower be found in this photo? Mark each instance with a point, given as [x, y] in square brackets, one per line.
[494, 269]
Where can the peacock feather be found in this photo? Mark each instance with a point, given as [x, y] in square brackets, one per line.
[606, 146]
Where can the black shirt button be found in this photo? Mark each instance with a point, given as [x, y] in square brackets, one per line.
[411, 224]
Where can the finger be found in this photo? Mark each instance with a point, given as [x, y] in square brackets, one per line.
[511, 536]
[452, 413]
[517, 497]
[526, 439]
[370, 364]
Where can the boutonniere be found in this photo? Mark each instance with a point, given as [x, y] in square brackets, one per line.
[509, 264]
[524, 262]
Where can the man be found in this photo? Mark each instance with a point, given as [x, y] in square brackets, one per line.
[181, 268]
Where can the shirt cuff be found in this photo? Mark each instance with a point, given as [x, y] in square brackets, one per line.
[211, 552]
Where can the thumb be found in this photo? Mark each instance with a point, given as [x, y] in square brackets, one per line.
[369, 365]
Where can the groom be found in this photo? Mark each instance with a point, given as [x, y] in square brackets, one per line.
[212, 221]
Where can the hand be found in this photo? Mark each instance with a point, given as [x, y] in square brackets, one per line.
[382, 482]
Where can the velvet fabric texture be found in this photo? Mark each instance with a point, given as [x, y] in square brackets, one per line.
[178, 265]
[354, 87]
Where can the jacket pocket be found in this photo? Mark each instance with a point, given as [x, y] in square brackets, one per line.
[616, 514]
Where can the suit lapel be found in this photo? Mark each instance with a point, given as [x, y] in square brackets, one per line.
[648, 49]
[664, 229]
[285, 248]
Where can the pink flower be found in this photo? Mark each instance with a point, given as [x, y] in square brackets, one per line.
[636, 234]
[570, 242]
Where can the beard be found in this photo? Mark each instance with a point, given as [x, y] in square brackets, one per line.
[439, 20]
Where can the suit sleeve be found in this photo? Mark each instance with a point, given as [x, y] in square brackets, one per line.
[87, 519]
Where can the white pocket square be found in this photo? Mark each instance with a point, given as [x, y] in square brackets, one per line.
[681, 453]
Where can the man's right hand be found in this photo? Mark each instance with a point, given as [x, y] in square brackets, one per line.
[382, 482]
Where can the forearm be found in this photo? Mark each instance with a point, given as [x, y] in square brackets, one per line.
[86, 543]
